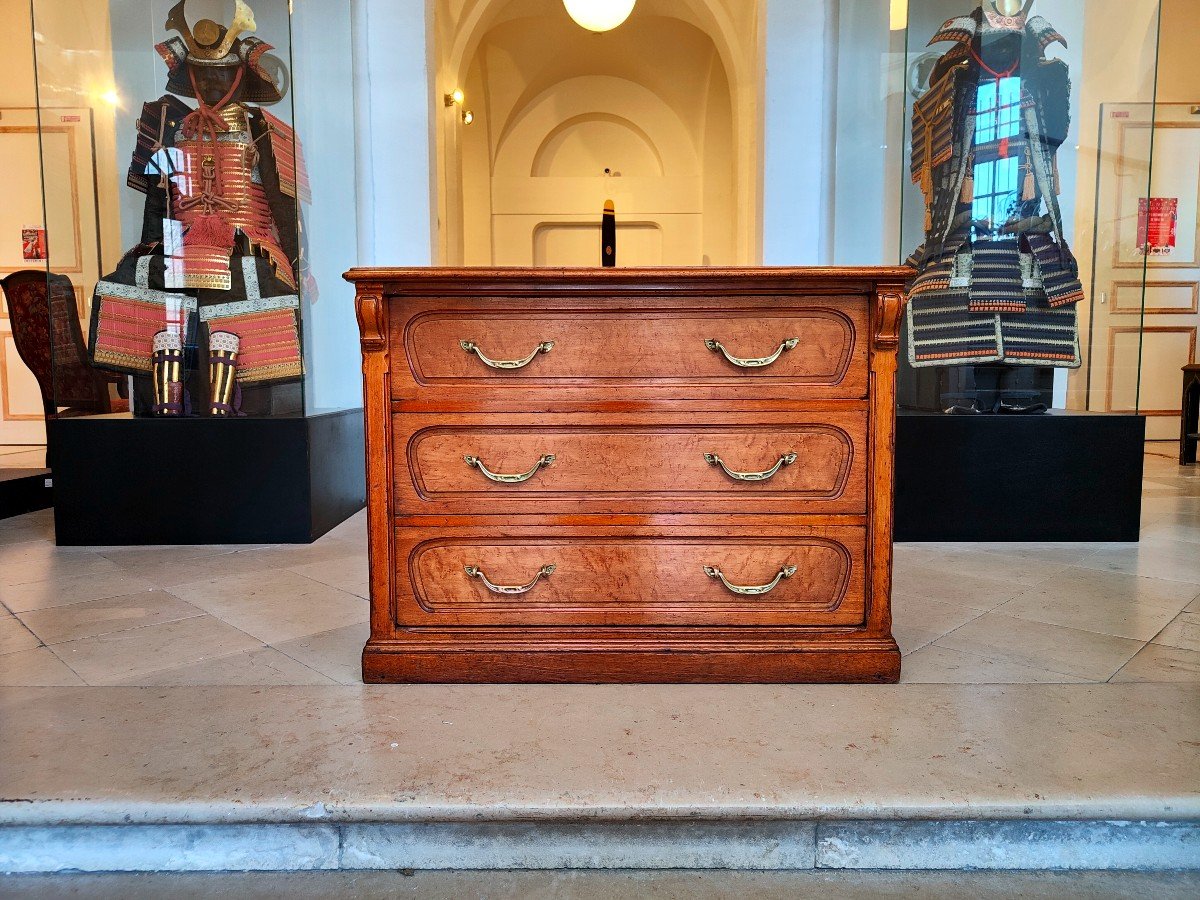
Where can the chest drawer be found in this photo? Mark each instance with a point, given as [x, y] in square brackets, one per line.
[495, 575]
[781, 348]
[795, 463]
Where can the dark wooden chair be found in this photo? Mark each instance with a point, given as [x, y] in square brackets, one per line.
[49, 340]
[1189, 425]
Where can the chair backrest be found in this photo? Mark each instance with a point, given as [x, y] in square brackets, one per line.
[49, 340]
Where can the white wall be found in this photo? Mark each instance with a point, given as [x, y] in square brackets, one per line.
[797, 132]
[392, 85]
[832, 156]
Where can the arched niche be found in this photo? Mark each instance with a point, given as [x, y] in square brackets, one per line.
[674, 91]
[584, 144]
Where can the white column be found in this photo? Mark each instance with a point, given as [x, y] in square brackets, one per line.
[796, 166]
[392, 104]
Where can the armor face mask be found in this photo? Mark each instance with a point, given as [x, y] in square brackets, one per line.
[208, 57]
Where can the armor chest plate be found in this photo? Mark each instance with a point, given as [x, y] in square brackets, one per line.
[221, 177]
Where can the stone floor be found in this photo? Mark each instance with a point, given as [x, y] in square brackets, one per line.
[159, 701]
[297, 614]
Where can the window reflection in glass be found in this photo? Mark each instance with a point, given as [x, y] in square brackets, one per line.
[997, 164]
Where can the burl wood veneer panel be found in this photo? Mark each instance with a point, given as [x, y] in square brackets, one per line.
[600, 354]
[621, 579]
[633, 463]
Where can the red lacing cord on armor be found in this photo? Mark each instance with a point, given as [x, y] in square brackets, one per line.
[999, 76]
[205, 121]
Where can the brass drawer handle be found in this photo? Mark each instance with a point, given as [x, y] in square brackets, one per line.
[751, 590]
[471, 347]
[476, 463]
[786, 460]
[543, 572]
[717, 347]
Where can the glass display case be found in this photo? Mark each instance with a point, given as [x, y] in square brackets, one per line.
[198, 162]
[1043, 341]
[196, 204]
[1030, 211]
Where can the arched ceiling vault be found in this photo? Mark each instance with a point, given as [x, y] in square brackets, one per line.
[665, 58]
[731, 26]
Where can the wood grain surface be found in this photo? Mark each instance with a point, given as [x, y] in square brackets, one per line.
[628, 401]
[628, 463]
[620, 578]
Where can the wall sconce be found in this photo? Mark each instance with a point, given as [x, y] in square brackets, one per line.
[468, 117]
[455, 97]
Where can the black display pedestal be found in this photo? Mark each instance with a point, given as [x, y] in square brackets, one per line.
[205, 481]
[1060, 476]
[24, 490]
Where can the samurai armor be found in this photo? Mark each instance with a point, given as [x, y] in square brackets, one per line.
[221, 241]
[996, 281]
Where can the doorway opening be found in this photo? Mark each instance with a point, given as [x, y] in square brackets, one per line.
[660, 116]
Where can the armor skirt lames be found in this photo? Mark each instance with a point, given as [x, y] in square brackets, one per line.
[995, 301]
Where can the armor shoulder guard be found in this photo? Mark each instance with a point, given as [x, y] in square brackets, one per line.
[959, 30]
[173, 52]
[289, 157]
[1044, 33]
[155, 127]
[933, 120]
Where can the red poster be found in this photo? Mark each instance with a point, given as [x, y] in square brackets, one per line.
[33, 243]
[1157, 220]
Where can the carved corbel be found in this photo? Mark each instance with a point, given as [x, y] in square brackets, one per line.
[889, 310]
[371, 310]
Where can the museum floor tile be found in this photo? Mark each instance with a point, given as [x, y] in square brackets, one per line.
[297, 614]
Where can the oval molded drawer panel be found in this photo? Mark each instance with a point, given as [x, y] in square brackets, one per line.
[792, 348]
[492, 575]
[793, 463]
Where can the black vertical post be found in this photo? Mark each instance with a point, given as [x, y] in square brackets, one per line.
[608, 236]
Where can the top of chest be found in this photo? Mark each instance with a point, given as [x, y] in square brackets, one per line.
[595, 334]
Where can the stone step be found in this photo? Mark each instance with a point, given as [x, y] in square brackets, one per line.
[907, 777]
[681, 844]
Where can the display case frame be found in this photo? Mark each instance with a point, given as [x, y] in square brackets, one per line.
[997, 467]
[215, 221]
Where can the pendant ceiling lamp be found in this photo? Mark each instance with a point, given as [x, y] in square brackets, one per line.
[599, 15]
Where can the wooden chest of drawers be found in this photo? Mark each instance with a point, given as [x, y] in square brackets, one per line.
[630, 475]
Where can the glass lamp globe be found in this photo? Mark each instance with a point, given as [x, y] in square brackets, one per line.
[599, 15]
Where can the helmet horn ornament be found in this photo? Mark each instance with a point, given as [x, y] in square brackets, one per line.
[177, 21]
[243, 21]
[1010, 8]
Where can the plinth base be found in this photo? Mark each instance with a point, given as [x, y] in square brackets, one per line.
[121, 480]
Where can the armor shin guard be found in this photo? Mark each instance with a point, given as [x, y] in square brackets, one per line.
[167, 368]
[223, 347]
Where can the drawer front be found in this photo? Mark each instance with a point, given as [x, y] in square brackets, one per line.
[491, 575]
[795, 463]
[782, 349]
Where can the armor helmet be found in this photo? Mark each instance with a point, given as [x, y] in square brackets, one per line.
[216, 49]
